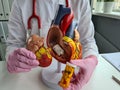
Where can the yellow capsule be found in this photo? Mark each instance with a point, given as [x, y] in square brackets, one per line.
[38, 54]
[42, 50]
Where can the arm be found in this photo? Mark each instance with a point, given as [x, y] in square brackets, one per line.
[17, 33]
[19, 59]
[87, 67]
[90, 51]
[86, 30]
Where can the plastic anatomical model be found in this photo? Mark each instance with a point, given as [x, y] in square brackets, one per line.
[36, 45]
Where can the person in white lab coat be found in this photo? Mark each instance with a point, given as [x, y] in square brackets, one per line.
[19, 59]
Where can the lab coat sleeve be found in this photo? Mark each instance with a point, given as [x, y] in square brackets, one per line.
[86, 30]
[16, 31]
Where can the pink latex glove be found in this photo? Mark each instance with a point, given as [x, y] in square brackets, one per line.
[87, 67]
[21, 60]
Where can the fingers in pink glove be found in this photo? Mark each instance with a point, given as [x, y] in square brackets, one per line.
[72, 87]
[21, 60]
[92, 59]
[87, 66]
[26, 53]
[26, 58]
[24, 65]
[27, 61]
[15, 69]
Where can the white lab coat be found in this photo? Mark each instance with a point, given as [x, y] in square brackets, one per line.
[46, 9]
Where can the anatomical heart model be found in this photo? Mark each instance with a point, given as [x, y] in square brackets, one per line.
[63, 39]
[63, 43]
[36, 45]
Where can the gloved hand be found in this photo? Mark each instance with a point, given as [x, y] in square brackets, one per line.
[87, 67]
[21, 60]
